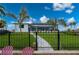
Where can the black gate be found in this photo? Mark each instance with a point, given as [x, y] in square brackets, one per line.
[41, 37]
[46, 37]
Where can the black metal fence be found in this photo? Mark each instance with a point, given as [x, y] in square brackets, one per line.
[41, 38]
[69, 40]
[60, 40]
[17, 40]
[46, 37]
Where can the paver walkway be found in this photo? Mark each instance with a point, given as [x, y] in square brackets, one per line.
[42, 43]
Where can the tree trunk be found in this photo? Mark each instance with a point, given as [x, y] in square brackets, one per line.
[20, 27]
[15, 28]
[20, 30]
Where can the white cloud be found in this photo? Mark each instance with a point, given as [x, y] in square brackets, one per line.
[67, 5]
[10, 26]
[58, 6]
[14, 22]
[77, 26]
[47, 8]
[72, 7]
[33, 19]
[62, 6]
[44, 19]
[71, 20]
[30, 21]
[69, 11]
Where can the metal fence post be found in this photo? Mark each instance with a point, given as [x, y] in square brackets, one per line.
[36, 42]
[9, 38]
[29, 37]
[58, 40]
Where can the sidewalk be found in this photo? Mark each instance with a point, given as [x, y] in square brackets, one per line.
[42, 43]
[60, 52]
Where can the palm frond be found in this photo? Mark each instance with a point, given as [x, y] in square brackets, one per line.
[62, 22]
[2, 7]
[2, 12]
[11, 15]
[2, 23]
[23, 14]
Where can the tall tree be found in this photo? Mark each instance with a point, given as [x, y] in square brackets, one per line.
[2, 12]
[21, 16]
[56, 22]
[73, 24]
[62, 22]
[2, 23]
[53, 22]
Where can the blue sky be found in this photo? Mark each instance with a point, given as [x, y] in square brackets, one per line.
[37, 11]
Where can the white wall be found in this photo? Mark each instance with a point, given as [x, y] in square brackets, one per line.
[17, 28]
[25, 29]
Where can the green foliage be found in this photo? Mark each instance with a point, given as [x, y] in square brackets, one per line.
[2, 23]
[62, 22]
[2, 10]
[21, 17]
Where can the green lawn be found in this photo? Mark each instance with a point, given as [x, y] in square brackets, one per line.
[68, 41]
[18, 40]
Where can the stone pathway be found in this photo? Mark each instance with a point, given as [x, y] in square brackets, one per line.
[42, 43]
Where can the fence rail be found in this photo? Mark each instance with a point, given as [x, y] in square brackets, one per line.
[57, 40]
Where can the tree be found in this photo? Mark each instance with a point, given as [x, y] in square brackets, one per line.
[73, 24]
[21, 17]
[2, 12]
[2, 23]
[62, 22]
[56, 22]
[53, 22]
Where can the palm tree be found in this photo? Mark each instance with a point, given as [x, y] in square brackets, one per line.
[21, 17]
[53, 22]
[62, 22]
[2, 12]
[73, 24]
[2, 23]
[56, 22]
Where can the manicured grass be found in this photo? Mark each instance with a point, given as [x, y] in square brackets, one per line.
[18, 40]
[68, 41]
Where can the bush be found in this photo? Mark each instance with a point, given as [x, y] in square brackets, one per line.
[4, 32]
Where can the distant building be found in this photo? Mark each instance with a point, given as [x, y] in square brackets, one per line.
[41, 27]
[33, 27]
[23, 26]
